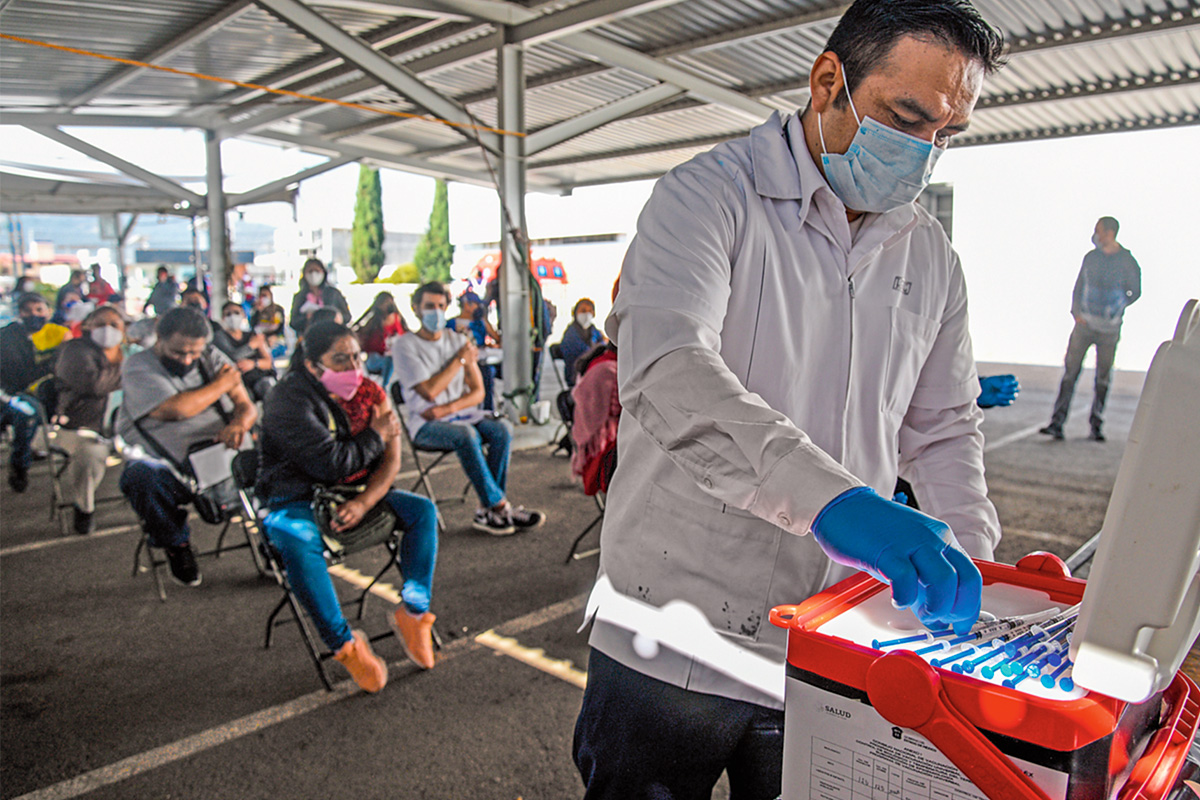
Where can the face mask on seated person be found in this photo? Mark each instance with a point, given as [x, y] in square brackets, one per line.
[107, 336]
[584, 319]
[177, 367]
[342, 384]
[314, 278]
[33, 324]
[433, 320]
[237, 322]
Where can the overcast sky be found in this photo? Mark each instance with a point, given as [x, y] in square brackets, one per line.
[1023, 216]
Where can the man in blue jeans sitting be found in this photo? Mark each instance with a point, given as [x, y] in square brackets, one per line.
[178, 393]
[438, 372]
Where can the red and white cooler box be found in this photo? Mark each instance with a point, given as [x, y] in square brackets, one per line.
[862, 724]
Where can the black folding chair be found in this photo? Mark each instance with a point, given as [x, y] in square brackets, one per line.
[245, 474]
[424, 469]
[154, 564]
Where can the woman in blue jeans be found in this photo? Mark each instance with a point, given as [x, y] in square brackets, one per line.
[324, 424]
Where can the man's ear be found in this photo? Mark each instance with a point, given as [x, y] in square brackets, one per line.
[825, 80]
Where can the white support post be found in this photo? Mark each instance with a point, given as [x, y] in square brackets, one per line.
[218, 238]
[514, 275]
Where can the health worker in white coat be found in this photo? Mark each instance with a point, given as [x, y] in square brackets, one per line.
[792, 335]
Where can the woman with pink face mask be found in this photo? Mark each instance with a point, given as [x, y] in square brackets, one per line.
[324, 424]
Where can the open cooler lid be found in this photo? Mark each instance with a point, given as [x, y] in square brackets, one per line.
[1141, 609]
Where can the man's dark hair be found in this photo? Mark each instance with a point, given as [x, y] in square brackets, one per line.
[319, 338]
[869, 29]
[1110, 224]
[162, 268]
[231, 304]
[77, 273]
[186, 321]
[29, 301]
[433, 287]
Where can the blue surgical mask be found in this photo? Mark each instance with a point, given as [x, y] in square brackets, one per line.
[883, 168]
[433, 320]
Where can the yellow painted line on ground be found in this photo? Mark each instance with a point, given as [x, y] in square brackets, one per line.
[100, 534]
[213, 737]
[563, 669]
[356, 578]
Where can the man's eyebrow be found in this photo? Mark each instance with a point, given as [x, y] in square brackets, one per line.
[913, 107]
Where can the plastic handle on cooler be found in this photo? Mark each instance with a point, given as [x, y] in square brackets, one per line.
[907, 691]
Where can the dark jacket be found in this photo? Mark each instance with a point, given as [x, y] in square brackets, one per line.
[330, 296]
[20, 363]
[85, 379]
[306, 440]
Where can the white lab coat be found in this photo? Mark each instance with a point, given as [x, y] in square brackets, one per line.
[768, 361]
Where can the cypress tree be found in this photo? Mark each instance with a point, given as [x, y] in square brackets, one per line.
[434, 252]
[366, 238]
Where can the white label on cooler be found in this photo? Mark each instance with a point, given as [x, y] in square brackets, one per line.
[839, 749]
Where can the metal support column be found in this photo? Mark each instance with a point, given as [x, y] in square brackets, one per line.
[514, 277]
[218, 238]
[121, 238]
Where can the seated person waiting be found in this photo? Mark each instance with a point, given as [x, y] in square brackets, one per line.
[88, 371]
[325, 424]
[179, 393]
[247, 350]
[579, 337]
[442, 387]
[29, 347]
[472, 320]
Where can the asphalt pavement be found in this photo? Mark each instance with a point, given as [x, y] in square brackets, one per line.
[106, 692]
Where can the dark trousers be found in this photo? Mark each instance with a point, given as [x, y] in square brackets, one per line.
[20, 413]
[1082, 338]
[160, 501]
[638, 738]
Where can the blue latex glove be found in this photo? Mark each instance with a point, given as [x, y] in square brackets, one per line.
[998, 390]
[907, 549]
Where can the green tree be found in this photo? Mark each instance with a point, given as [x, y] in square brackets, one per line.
[434, 252]
[366, 238]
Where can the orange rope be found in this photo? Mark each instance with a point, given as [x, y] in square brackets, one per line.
[247, 85]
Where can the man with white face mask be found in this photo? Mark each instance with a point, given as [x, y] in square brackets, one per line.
[792, 336]
[438, 373]
[88, 372]
[247, 350]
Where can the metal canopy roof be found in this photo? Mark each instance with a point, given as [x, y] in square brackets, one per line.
[616, 89]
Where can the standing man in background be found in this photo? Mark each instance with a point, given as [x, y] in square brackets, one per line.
[1109, 281]
[792, 334]
[165, 294]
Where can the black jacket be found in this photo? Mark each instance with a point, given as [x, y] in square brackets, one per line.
[306, 441]
[20, 363]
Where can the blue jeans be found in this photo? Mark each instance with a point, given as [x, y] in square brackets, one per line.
[638, 738]
[160, 501]
[20, 413]
[488, 475]
[488, 371]
[382, 365]
[291, 529]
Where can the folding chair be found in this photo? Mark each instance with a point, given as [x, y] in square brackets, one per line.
[424, 470]
[245, 474]
[249, 531]
[57, 458]
[572, 555]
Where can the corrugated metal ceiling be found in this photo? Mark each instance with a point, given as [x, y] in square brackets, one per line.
[1078, 66]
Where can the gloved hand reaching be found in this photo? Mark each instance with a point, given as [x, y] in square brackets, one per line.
[998, 390]
[914, 552]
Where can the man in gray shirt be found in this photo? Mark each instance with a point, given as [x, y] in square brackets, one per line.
[1109, 280]
[179, 393]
